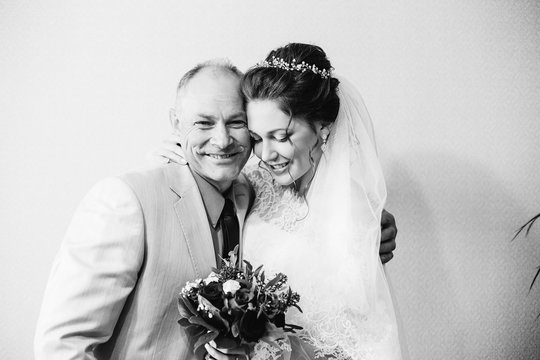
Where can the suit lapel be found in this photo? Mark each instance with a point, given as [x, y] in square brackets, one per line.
[191, 214]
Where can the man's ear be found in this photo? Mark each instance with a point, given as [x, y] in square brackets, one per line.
[173, 118]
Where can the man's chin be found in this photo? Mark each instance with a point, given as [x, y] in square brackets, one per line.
[220, 177]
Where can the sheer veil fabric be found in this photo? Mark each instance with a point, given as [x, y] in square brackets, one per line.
[328, 243]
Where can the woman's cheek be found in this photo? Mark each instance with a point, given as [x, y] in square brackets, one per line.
[286, 150]
[257, 148]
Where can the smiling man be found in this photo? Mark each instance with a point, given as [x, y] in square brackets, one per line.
[211, 121]
[136, 239]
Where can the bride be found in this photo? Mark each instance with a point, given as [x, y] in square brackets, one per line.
[320, 193]
[318, 174]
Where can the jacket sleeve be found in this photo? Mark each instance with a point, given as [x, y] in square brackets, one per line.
[93, 273]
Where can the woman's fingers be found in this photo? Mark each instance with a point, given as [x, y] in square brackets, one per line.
[217, 355]
[164, 156]
[169, 151]
[225, 354]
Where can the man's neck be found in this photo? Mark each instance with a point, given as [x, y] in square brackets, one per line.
[221, 186]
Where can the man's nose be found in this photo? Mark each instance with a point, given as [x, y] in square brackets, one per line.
[221, 137]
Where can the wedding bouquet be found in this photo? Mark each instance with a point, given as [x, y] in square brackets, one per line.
[236, 305]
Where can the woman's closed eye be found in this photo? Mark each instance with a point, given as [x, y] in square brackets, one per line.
[282, 138]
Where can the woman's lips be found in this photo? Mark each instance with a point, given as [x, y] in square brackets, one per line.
[278, 168]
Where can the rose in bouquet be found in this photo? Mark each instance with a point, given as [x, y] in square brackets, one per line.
[236, 305]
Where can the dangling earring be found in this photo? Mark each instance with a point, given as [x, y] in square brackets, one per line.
[324, 135]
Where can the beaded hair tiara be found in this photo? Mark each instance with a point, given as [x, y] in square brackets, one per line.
[279, 63]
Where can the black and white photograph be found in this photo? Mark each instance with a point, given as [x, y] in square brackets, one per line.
[270, 180]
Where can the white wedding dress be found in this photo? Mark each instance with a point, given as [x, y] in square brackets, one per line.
[327, 243]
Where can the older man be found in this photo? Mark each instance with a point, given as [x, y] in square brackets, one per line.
[136, 239]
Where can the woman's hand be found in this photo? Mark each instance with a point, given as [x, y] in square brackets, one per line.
[213, 352]
[170, 151]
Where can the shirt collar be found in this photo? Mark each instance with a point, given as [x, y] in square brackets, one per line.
[213, 200]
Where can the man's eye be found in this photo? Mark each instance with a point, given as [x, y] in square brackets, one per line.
[237, 124]
[203, 123]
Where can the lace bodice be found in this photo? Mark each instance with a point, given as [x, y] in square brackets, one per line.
[276, 204]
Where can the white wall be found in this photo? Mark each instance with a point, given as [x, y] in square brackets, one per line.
[453, 87]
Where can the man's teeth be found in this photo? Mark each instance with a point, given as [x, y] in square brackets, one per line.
[224, 156]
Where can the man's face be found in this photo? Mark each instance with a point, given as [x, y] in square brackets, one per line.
[213, 126]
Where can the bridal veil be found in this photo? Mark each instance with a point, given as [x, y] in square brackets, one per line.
[348, 310]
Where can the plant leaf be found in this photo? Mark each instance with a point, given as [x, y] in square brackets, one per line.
[257, 271]
[184, 322]
[274, 281]
[185, 307]
[235, 330]
[197, 320]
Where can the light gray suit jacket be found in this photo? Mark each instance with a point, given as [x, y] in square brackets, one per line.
[132, 244]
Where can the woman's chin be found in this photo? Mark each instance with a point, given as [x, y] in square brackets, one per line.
[283, 179]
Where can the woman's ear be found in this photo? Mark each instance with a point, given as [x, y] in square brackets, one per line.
[324, 130]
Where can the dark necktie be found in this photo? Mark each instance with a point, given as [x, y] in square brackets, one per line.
[229, 227]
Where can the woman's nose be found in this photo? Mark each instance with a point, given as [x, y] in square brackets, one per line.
[268, 153]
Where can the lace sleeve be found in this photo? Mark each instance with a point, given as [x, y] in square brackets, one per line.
[279, 349]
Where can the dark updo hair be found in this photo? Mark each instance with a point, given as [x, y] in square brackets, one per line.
[300, 94]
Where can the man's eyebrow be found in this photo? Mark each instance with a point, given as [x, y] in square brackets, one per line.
[240, 114]
[207, 117]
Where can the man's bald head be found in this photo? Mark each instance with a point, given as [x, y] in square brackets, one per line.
[217, 66]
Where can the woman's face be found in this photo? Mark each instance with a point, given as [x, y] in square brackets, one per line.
[288, 147]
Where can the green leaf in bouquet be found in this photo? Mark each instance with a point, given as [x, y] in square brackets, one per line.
[205, 339]
[248, 269]
[186, 307]
[198, 320]
[257, 271]
[274, 281]
[235, 330]
[261, 309]
[184, 322]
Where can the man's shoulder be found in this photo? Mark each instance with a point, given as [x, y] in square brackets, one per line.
[160, 174]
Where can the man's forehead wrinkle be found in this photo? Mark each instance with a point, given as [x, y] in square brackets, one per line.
[224, 116]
